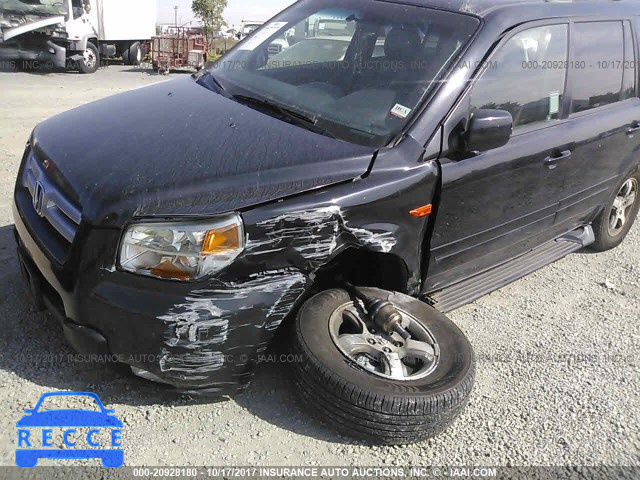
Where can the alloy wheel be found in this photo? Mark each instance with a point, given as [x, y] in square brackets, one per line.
[622, 206]
[387, 356]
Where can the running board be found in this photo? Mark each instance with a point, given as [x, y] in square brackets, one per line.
[479, 285]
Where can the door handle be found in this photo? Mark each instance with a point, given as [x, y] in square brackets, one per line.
[552, 161]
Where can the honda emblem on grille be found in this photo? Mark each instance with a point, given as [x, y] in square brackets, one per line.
[38, 199]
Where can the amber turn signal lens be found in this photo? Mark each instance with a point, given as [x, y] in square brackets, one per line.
[170, 271]
[221, 239]
[422, 211]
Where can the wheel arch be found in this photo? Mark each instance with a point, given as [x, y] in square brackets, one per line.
[358, 266]
[81, 45]
[364, 267]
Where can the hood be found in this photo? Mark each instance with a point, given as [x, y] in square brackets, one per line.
[30, 24]
[41, 8]
[177, 148]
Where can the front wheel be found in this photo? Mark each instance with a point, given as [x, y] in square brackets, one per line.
[618, 217]
[90, 59]
[377, 387]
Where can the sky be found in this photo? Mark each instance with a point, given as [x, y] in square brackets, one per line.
[236, 11]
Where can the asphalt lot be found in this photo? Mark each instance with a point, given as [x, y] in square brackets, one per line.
[558, 379]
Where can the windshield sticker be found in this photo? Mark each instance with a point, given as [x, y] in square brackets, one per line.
[400, 111]
[262, 36]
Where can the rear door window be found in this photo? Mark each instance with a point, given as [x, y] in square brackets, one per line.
[527, 76]
[598, 64]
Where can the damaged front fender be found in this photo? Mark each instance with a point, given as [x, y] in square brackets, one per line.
[305, 233]
[215, 335]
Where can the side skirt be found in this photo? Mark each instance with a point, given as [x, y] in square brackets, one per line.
[471, 289]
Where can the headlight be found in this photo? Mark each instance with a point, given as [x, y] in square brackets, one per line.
[182, 251]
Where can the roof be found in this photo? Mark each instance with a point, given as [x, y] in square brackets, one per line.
[482, 8]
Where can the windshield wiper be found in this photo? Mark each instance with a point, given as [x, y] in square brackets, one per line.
[290, 115]
[208, 80]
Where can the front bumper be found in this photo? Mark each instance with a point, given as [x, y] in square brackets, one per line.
[47, 55]
[206, 335]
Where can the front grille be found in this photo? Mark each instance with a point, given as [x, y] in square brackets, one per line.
[48, 201]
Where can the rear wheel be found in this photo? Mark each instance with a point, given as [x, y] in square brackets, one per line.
[379, 387]
[134, 55]
[125, 54]
[618, 217]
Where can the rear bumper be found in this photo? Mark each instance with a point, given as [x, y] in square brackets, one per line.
[192, 336]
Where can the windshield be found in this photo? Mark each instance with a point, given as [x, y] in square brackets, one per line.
[357, 69]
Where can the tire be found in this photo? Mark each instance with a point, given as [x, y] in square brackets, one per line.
[134, 56]
[91, 60]
[125, 54]
[363, 405]
[606, 236]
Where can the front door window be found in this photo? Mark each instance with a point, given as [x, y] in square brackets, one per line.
[527, 76]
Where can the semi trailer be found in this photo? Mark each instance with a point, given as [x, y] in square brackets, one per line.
[75, 33]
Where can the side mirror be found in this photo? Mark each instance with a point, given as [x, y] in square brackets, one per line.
[487, 130]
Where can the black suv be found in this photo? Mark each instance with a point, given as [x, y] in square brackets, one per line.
[349, 187]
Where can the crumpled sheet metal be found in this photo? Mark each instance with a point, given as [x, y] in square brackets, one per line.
[210, 323]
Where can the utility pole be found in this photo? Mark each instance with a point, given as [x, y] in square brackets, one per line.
[176, 14]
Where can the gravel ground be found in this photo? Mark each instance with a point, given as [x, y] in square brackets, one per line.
[558, 374]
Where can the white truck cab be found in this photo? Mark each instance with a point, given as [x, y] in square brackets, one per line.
[77, 32]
